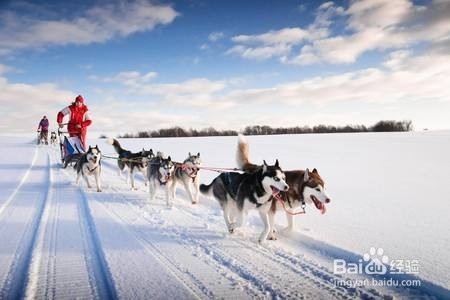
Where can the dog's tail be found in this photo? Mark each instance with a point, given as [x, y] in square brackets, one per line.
[242, 155]
[205, 188]
[115, 143]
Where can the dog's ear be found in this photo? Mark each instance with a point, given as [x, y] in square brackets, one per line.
[277, 164]
[315, 171]
[169, 159]
[189, 154]
[264, 169]
[306, 176]
[90, 147]
[198, 154]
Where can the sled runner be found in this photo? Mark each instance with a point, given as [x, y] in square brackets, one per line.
[71, 148]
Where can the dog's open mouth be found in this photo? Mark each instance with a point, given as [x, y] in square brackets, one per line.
[274, 190]
[319, 205]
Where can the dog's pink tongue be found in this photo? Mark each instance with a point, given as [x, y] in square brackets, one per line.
[324, 209]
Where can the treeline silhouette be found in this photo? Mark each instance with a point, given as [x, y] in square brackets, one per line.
[381, 126]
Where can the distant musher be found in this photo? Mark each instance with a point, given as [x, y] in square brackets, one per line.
[43, 128]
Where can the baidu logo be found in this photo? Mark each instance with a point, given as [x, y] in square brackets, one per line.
[376, 262]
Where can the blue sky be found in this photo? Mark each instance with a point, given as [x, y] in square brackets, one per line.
[143, 65]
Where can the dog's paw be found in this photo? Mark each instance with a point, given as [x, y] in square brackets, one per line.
[272, 236]
[232, 227]
[99, 190]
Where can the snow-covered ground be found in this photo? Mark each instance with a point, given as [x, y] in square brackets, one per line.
[388, 191]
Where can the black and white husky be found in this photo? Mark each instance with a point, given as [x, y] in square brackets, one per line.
[161, 173]
[132, 161]
[305, 187]
[239, 192]
[53, 138]
[89, 164]
[187, 173]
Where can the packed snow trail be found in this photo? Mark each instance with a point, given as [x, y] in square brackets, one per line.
[59, 240]
[20, 216]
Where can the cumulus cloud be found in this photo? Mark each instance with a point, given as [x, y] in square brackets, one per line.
[405, 78]
[370, 25]
[96, 24]
[280, 43]
[23, 105]
[128, 78]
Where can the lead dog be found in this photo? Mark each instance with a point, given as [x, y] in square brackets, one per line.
[187, 173]
[132, 161]
[304, 187]
[161, 174]
[237, 193]
[89, 164]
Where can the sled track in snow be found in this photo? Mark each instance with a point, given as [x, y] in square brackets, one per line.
[188, 279]
[24, 178]
[94, 256]
[241, 263]
[14, 286]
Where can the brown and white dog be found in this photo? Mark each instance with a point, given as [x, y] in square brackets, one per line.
[305, 187]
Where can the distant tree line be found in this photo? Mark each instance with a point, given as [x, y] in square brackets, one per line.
[381, 126]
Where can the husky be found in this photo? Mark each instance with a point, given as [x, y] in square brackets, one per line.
[53, 138]
[305, 187]
[161, 173]
[237, 193]
[90, 164]
[187, 173]
[131, 161]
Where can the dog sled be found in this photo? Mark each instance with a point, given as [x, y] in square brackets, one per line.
[71, 148]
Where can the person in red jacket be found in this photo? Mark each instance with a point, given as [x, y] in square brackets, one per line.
[79, 119]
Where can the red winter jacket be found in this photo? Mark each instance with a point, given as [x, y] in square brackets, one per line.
[78, 116]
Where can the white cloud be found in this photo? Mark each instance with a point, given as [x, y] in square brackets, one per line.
[215, 36]
[23, 105]
[279, 43]
[407, 78]
[4, 69]
[283, 36]
[129, 78]
[370, 25]
[96, 24]
[260, 53]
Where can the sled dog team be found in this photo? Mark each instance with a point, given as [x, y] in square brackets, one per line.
[260, 187]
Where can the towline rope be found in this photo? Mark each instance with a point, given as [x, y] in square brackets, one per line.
[277, 196]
